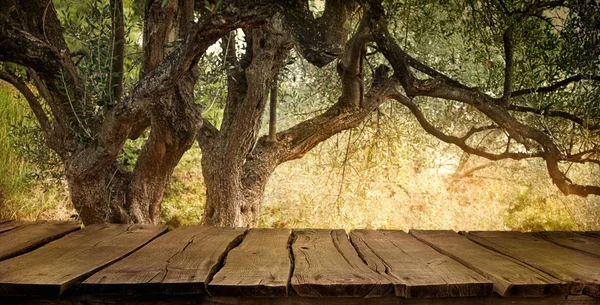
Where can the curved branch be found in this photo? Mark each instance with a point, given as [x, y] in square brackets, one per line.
[554, 113]
[557, 85]
[32, 100]
[459, 141]
[475, 130]
[482, 102]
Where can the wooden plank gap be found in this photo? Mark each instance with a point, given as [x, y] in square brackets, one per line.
[416, 269]
[290, 249]
[574, 287]
[28, 236]
[572, 240]
[63, 263]
[487, 246]
[8, 225]
[399, 288]
[179, 262]
[258, 267]
[510, 277]
[221, 260]
[326, 264]
[581, 270]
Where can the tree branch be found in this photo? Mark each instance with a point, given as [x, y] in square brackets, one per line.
[557, 85]
[475, 130]
[296, 141]
[554, 113]
[485, 104]
[508, 66]
[459, 141]
[272, 136]
[32, 100]
[115, 79]
[322, 39]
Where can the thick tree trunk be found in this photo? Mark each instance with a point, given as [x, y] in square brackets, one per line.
[102, 191]
[229, 203]
[231, 199]
[175, 122]
[234, 195]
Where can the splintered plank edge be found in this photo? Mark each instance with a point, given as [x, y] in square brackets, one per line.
[259, 266]
[579, 269]
[24, 236]
[182, 261]
[415, 269]
[52, 269]
[326, 264]
[7, 225]
[510, 276]
[578, 241]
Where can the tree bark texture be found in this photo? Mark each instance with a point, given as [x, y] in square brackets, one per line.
[101, 189]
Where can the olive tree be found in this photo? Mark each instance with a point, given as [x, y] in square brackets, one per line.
[236, 161]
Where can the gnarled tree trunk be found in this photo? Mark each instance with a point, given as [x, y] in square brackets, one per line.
[102, 189]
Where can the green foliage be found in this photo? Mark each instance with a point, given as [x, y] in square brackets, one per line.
[13, 170]
[533, 212]
[131, 150]
[30, 181]
[211, 88]
[88, 32]
[185, 194]
[387, 173]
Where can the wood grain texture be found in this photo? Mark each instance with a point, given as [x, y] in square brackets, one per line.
[595, 234]
[259, 266]
[415, 269]
[580, 270]
[573, 240]
[326, 264]
[510, 277]
[181, 261]
[7, 225]
[386, 300]
[63, 263]
[28, 236]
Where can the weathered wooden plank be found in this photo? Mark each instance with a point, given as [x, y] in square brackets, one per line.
[326, 264]
[595, 234]
[510, 277]
[28, 236]
[181, 261]
[573, 240]
[59, 265]
[259, 266]
[7, 225]
[415, 269]
[208, 300]
[580, 270]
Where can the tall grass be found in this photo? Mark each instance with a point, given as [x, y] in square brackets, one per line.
[13, 170]
[23, 194]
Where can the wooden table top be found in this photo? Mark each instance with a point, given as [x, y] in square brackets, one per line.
[52, 259]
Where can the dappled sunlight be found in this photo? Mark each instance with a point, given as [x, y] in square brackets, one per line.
[497, 197]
